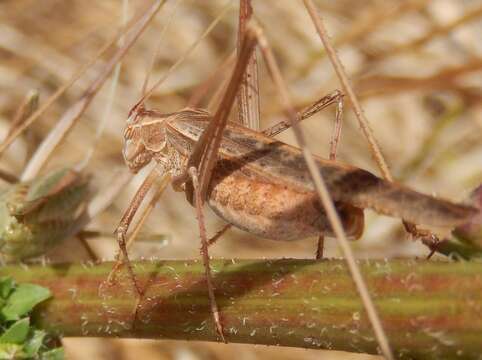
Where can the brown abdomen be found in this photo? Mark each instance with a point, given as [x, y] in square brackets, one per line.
[272, 211]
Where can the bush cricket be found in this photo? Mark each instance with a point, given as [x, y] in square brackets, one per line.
[256, 183]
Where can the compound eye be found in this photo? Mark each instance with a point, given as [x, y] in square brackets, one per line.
[131, 149]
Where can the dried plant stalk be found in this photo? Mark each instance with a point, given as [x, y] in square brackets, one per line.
[429, 309]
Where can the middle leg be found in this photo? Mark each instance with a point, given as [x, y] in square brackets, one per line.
[198, 203]
[121, 231]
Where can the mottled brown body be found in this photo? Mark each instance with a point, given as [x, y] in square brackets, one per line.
[263, 186]
[264, 208]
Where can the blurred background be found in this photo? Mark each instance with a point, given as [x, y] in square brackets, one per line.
[416, 65]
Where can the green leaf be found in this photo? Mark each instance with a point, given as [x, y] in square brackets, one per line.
[6, 286]
[23, 299]
[33, 345]
[20, 341]
[17, 333]
[55, 354]
[11, 352]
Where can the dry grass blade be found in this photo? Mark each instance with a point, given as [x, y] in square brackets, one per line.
[369, 22]
[74, 112]
[326, 199]
[28, 106]
[186, 54]
[377, 17]
[347, 88]
[215, 78]
[111, 95]
[67, 85]
[150, 66]
[446, 79]
[470, 15]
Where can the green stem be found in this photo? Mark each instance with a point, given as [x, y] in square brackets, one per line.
[429, 309]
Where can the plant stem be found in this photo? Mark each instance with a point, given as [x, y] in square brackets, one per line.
[429, 309]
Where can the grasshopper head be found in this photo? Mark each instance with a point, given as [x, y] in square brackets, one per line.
[144, 137]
